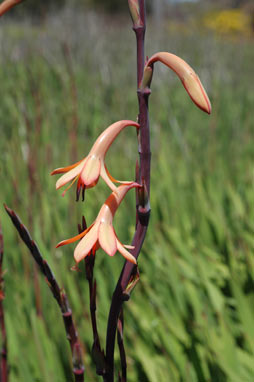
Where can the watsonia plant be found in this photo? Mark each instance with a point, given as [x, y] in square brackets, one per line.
[101, 233]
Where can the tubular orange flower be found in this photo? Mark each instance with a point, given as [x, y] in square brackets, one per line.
[189, 78]
[88, 170]
[101, 233]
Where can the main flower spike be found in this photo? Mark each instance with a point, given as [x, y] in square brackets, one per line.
[88, 170]
[189, 78]
[101, 233]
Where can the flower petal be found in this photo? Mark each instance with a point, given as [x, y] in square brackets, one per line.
[70, 175]
[62, 170]
[86, 244]
[115, 180]
[108, 179]
[67, 188]
[104, 141]
[91, 171]
[128, 256]
[107, 238]
[75, 238]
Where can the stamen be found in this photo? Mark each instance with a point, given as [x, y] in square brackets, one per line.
[78, 193]
[79, 186]
[83, 193]
[74, 180]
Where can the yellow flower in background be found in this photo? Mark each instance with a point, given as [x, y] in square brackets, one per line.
[229, 21]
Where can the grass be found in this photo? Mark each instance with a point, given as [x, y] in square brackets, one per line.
[191, 317]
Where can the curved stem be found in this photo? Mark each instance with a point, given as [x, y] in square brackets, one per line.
[119, 295]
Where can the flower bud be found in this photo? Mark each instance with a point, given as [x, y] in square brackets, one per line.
[187, 75]
[135, 12]
[132, 283]
[147, 77]
[143, 198]
[77, 358]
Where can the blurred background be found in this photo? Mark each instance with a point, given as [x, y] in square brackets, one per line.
[67, 71]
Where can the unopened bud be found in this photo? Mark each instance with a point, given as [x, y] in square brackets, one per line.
[132, 283]
[187, 75]
[135, 12]
[77, 356]
[147, 77]
[143, 198]
[99, 358]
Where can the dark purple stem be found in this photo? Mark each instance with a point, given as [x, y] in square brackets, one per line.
[58, 293]
[140, 38]
[97, 352]
[120, 325]
[143, 218]
[3, 360]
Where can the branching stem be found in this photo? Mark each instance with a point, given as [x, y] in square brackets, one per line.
[58, 293]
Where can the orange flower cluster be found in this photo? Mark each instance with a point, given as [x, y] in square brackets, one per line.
[101, 233]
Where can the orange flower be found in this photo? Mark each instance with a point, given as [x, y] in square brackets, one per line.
[189, 78]
[89, 169]
[101, 233]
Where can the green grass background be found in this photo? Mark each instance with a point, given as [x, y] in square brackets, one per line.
[191, 317]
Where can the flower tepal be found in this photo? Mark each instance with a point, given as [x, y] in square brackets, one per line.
[101, 233]
[88, 170]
